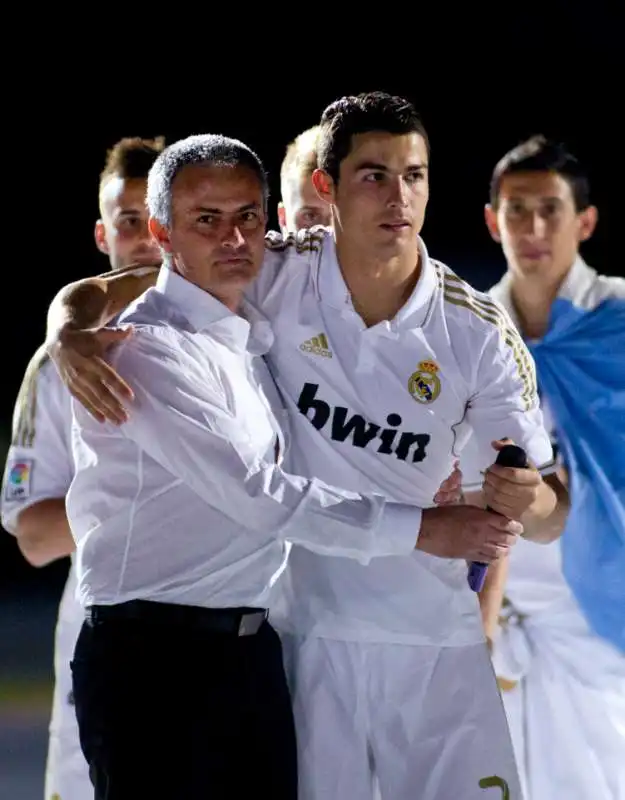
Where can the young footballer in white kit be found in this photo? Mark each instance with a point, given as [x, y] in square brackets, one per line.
[563, 683]
[40, 466]
[387, 361]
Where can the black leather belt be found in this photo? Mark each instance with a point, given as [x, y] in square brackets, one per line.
[233, 621]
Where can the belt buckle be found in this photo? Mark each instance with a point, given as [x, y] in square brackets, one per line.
[250, 623]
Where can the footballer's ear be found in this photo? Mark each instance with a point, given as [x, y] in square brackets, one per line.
[490, 217]
[587, 220]
[99, 234]
[282, 217]
[324, 185]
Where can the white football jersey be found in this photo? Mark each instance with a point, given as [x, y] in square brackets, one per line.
[387, 409]
[40, 467]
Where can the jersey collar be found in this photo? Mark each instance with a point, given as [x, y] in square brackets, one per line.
[576, 285]
[333, 290]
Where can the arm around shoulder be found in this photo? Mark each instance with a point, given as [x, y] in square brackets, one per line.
[182, 418]
[93, 302]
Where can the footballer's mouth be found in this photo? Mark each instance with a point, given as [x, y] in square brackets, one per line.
[396, 225]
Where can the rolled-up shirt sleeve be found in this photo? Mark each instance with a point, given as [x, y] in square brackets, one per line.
[181, 417]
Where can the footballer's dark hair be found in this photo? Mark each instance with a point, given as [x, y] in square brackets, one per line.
[540, 154]
[363, 113]
[132, 158]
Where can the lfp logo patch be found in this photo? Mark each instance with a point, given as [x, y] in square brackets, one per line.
[18, 479]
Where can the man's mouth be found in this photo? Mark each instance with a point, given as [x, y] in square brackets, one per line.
[234, 261]
[147, 257]
[395, 226]
[533, 253]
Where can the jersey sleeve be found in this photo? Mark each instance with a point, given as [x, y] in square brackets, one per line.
[302, 246]
[505, 404]
[39, 461]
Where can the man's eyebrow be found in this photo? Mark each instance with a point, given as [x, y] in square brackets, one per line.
[208, 210]
[372, 165]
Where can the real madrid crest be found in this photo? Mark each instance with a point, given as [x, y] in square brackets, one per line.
[424, 384]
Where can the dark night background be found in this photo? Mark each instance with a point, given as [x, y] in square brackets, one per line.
[477, 101]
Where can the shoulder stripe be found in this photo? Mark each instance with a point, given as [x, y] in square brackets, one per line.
[25, 413]
[302, 241]
[459, 293]
[453, 283]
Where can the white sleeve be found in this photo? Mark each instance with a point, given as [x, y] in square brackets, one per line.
[505, 404]
[181, 418]
[39, 463]
[303, 246]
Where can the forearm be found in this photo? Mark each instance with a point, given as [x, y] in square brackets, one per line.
[43, 532]
[545, 520]
[93, 302]
[492, 595]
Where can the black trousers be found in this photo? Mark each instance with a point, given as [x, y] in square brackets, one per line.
[175, 711]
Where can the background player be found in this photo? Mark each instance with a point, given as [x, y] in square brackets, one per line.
[300, 206]
[564, 684]
[39, 463]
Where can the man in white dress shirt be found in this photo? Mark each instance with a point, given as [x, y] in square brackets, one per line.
[386, 361]
[563, 685]
[40, 466]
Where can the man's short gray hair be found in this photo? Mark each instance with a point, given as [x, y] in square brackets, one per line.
[201, 149]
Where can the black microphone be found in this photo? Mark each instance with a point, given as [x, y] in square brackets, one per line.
[510, 455]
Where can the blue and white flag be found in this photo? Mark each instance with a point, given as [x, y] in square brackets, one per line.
[580, 365]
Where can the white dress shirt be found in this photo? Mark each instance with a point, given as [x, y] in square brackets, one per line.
[187, 502]
[387, 409]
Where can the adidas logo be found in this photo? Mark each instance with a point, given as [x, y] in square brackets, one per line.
[318, 346]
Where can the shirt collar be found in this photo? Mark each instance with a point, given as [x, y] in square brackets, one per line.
[205, 312]
[333, 290]
[578, 282]
[575, 286]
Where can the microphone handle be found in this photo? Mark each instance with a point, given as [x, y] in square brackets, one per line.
[509, 456]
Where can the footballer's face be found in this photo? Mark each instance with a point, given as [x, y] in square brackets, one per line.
[122, 231]
[301, 206]
[382, 192]
[538, 225]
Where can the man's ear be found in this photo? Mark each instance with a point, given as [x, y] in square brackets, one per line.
[282, 217]
[587, 222]
[161, 233]
[324, 186]
[99, 234]
[490, 217]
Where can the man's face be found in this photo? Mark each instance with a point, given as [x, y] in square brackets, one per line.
[301, 206]
[217, 232]
[382, 192]
[122, 232]
[538, 225]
